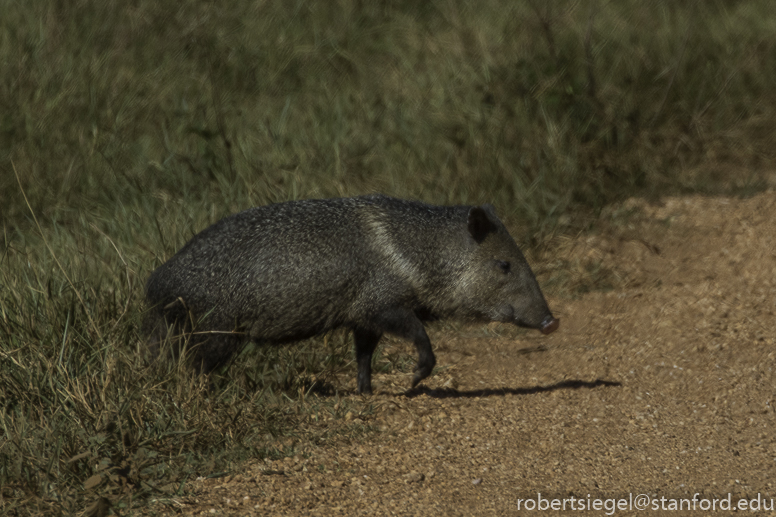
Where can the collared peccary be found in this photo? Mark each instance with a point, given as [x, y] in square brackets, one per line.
[374, 264]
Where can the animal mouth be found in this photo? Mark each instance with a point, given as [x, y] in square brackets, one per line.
[549, 325]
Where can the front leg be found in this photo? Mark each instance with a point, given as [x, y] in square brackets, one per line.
[405, 324]
[365, 344]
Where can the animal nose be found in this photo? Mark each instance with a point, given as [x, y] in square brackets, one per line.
[550, 324]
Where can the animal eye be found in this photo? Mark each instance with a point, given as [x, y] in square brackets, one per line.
[503, 265]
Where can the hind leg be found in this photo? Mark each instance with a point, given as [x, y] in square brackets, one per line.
[214, 351]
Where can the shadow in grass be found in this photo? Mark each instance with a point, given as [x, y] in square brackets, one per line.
[531, 350]
[445, 393]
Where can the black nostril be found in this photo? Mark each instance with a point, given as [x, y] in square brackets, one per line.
[550, 324]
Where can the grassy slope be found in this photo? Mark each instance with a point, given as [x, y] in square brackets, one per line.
[134, 125]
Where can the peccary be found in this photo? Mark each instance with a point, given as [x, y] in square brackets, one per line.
[374, 264]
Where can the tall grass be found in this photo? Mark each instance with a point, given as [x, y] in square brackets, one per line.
[135, 125]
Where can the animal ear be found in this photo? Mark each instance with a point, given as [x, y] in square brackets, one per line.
[480, 224]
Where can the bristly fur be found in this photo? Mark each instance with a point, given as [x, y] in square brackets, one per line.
[375, 264]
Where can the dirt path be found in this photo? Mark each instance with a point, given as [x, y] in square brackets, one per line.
[664, 386]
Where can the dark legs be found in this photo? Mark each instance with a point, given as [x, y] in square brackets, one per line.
[426, 359]
[366, 342]
[399, 322]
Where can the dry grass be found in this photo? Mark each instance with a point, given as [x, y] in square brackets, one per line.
[134, 126]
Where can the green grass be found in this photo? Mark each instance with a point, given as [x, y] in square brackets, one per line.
[134, 125]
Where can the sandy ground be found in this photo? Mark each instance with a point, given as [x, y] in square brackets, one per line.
[663, 388]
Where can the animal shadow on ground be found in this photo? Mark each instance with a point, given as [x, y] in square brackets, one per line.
[444, 393]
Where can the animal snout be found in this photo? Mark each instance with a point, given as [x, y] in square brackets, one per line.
[550, 324]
